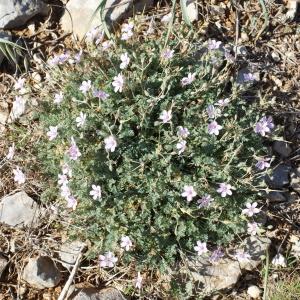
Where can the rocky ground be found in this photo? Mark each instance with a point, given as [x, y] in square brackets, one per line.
[37, 261]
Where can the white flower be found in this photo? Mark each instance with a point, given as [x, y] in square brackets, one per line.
[110, 143]
[181, 146]
[188, 80]
[279, 261]
[225, 189]
[200, 248]
[106, 45]
[58, 98]
[11, 152]
[183, 132]
[166, 116]
[96, 192]
[65, 191]
[125, 61]
[188, 192]
[126, 243]
[62, 179]
[242, 257]
[85, 86]
[80, 120]
[251, 209]
[19, 84]
[71, 202]
[252, 228]
[107, 260]
[118, 83]
[167, 54]
[66, 170]
[223, 102]
[19, 176]
[52, 133]
[212, 112]
[214, 127]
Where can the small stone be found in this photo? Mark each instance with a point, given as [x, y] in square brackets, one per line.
[3, 264]
[69, 252]
[94, 294]
[279, 177]
[41, 273]
[276, 196]
[19, 210]
[275, 56]
[242, 50]
[254, 291]
[244, 37]
[282, 148]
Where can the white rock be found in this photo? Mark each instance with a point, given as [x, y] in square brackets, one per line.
[253, 291]
[116, 10]
[15, 13]
[41, 273]
[19, 210]
[69, 251]
[192, 10]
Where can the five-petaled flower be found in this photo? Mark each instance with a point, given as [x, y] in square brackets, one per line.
[19, 84]
[108, 260]
[62, 179]
[183, 132]
[188, 80]
[212, 112]
[224, 189]
[85, 86]
[124, 60]
[126, 243]
[188, 192]
[250, 209]
[80, 120]
[58, 98]
[165, 116]
[100, 94]
[52, 132]
[262, 163]
[118, 83]
[214, 45]
[19, 176]
[96, 192]
[264, 125]
[214, 128]
[216, 256]
[252, 228]
[181, 146]
[200, 248]
[106, 45]
[71, 202]
[223, 102]
[110, 143]
[73, 151]
[127, 31]
[205, 201]
[167, 54]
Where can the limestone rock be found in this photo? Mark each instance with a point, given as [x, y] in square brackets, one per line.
[256, 247]
[19, 210]
[69, 251]
[95, 294]
[41, 273]
[15, 13]
[81, 20]
[212, 277]
[253, 291]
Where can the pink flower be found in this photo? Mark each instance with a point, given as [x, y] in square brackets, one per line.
[11, 152]
[110, 143]
[125, 61]
[80, 120]
[212, 112]
[107, 260]
[262, 163]
[181, 146]
[251, 209]
[118, 83]
[214, 127]
[264, 125]
[214, 45]
[205, 201]
[216, 256]
[62, 179]
[19, 84]
[127, 31]
[52, 133]
[106, 45]
[188, 192]
[65, 192]
[71, 202]
[138, 281]
[183, 132]
[58, 98]
[200, 248]
[126, 243]
[248, 77]
[66, 170]
[73, 151]
[77, 56]
[166, 116]
[96, 192]
[252, 228]
[85, 86]
[167, 54]
[224, 189]
[242, 256]
[19, 176]
[94, 34]
[100, 94]
[188, 80]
